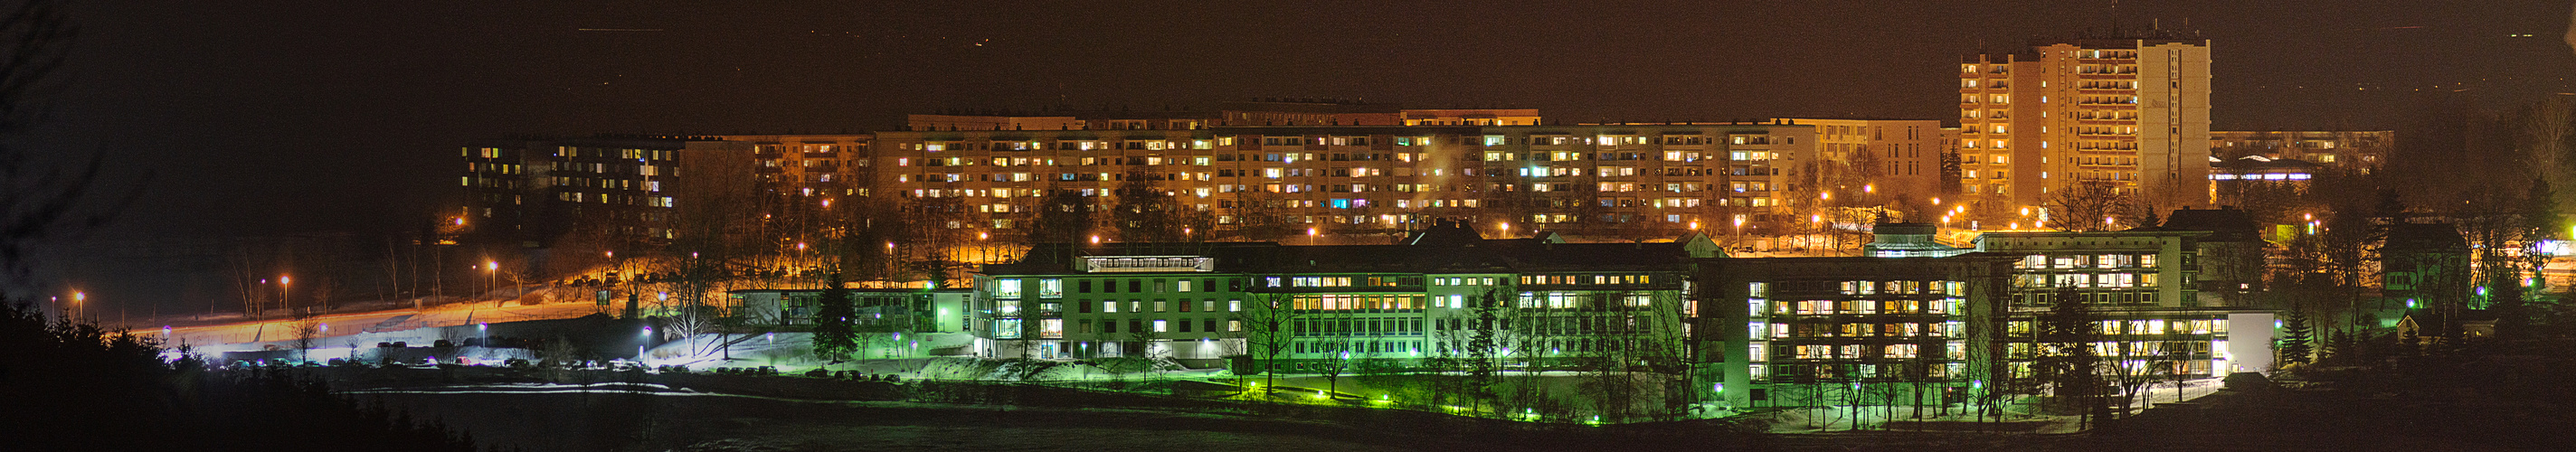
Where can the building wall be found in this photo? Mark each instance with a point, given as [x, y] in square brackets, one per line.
[1902, 157]
[2173, 88]
[1771, 330]
[2131, 268]
[1399, 318]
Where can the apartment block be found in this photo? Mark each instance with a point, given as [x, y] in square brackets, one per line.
[2126, 110]
[2360, 151]
[1332, 166]
[533, 192]
[1632, 178]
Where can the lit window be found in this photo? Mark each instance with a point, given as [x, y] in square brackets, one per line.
[1006, 289]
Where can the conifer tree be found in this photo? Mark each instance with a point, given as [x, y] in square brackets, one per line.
[834, 338]
[2296, 338]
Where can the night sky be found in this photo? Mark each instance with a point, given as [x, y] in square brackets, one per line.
[274, 117]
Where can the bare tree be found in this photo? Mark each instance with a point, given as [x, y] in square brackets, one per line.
[2084, 206]
[1147, 213]
[38, 200]
[1269, 321]
[306, 326]
[717, 234]
[1259, 216]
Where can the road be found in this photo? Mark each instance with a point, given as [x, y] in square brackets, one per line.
[348, 326]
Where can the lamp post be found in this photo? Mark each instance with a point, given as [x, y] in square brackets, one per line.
[611, 255]
[285, 292]
[492, 277]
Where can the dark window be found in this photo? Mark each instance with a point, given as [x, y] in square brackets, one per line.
[1083, 287]
[1109, 326]
[1136, 285]
[1083, 305]
[1110, 286]
[1761, 394]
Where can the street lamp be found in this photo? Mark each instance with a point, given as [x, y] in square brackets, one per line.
[285, 296]
[484, 329]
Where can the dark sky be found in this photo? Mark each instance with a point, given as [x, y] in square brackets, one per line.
[281, 116]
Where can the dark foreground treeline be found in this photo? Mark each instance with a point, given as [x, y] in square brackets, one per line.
[76, 386]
